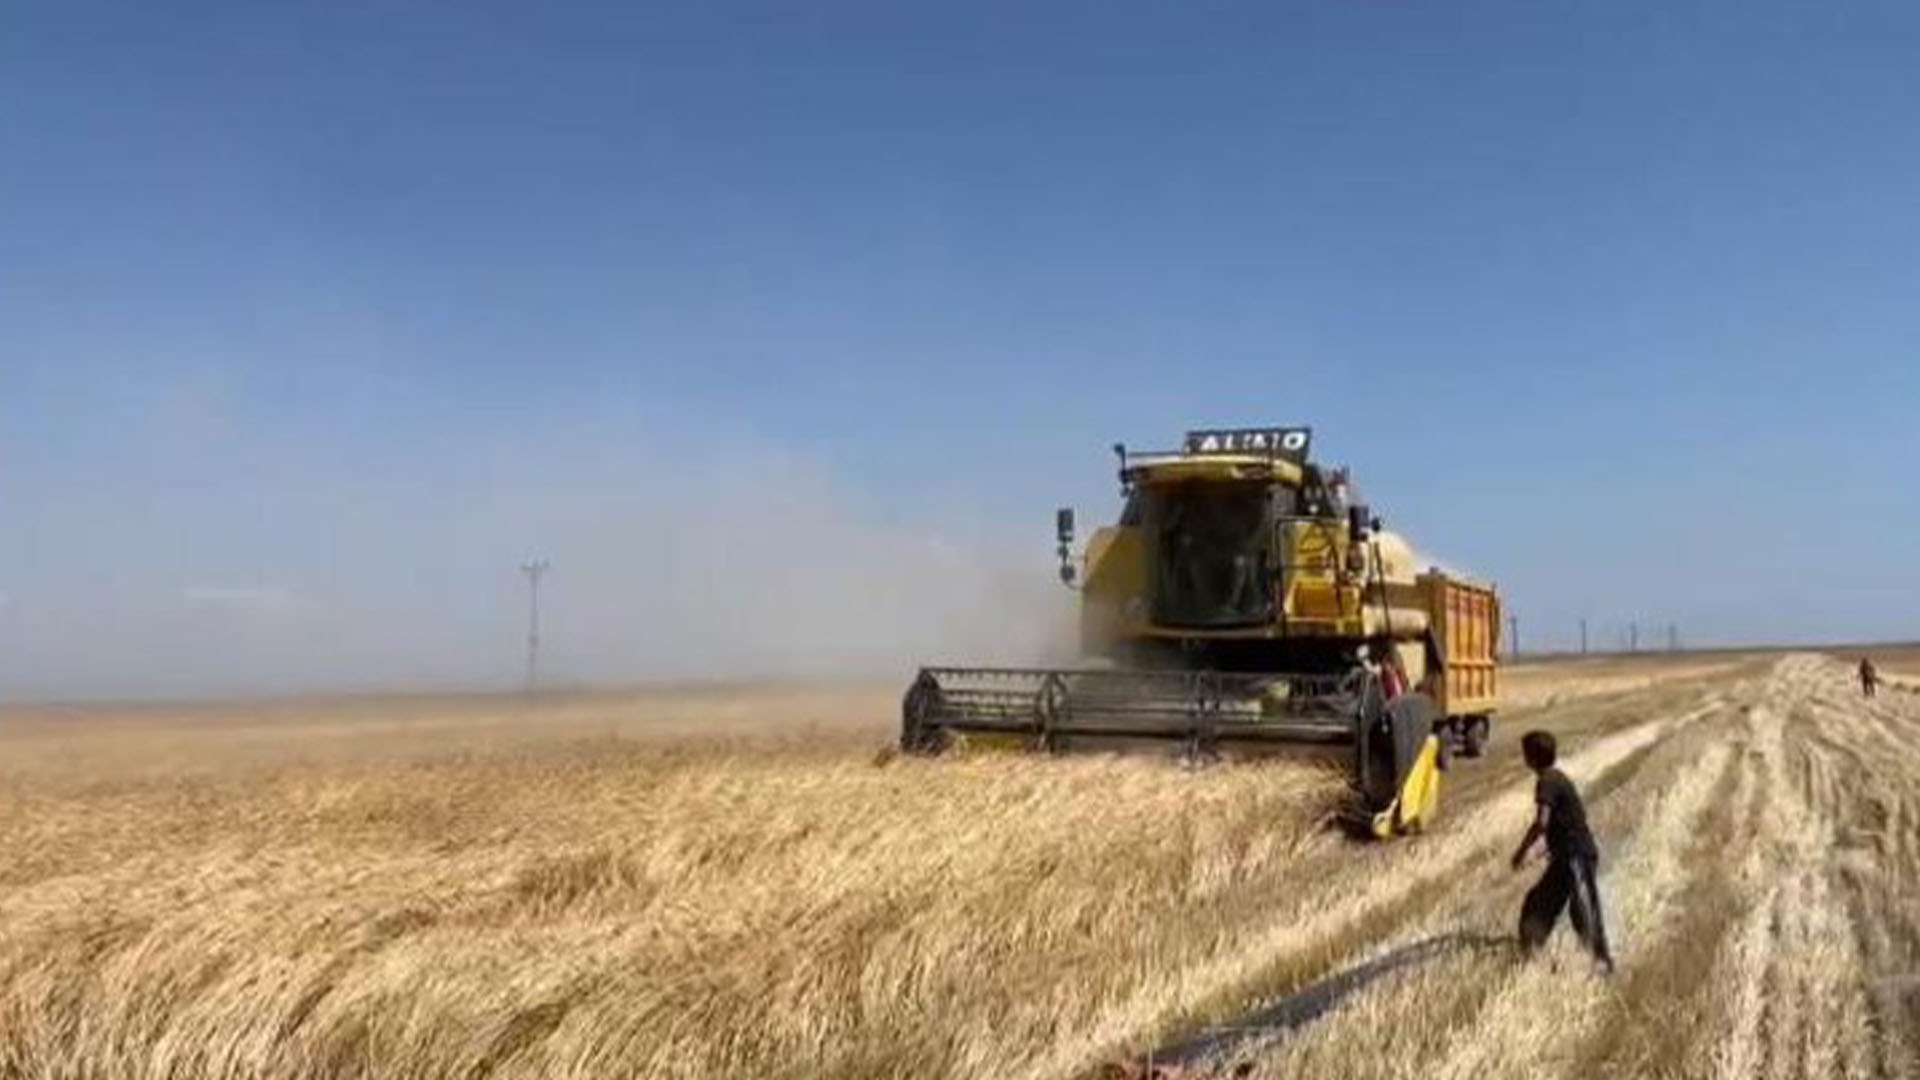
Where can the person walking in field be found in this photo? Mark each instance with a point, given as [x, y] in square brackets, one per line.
[1573, 859]
[1869, 677]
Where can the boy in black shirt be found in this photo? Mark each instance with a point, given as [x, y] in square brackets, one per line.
[1572, 856]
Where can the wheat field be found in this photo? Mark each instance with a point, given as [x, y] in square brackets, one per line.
[729, 881]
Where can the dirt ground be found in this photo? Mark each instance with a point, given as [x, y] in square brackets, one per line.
[735, 881]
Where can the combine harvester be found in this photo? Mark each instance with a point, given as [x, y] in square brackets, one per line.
[1246, 603]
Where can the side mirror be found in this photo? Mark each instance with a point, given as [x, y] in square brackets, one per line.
[1063, 529]
[1360, 523]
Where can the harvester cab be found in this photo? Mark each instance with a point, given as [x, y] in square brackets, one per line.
[1246, 601]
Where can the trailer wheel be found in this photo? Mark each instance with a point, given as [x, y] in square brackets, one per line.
[1474, 742]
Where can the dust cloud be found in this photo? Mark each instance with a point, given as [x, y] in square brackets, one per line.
[247, 561]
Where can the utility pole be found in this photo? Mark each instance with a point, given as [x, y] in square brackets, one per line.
[1633, 637]
[1583, 637]
[533, 569]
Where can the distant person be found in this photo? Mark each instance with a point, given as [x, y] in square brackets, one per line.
[1573, 859]
[1869, 677]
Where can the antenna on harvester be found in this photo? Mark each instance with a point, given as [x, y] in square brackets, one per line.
[533, 569]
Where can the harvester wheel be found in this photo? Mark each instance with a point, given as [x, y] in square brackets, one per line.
[1474, 740]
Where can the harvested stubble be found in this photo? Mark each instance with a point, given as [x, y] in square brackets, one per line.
[1757, 857]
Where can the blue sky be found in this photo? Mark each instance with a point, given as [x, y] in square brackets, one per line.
[315, 317]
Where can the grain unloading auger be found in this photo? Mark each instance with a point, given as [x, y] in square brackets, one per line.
[1246, 604]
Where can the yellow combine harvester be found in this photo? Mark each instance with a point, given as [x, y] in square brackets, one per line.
[1246, 601]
